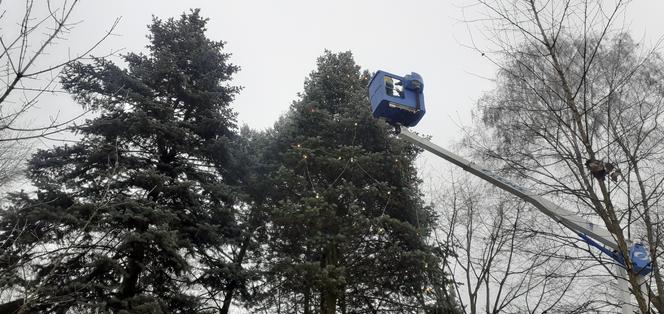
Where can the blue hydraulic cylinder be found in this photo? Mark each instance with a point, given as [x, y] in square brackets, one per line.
[638, 253]
[614, 255]
[399, 100]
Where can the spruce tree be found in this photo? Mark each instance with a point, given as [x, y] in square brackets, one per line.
[125, 219]
[348, 223]
[235, 266]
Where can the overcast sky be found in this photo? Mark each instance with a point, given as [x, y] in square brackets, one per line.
[276, 44]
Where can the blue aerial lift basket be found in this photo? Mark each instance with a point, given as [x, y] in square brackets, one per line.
[641, 259]
[399, 100]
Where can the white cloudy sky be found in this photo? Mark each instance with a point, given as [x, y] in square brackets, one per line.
[277, 42]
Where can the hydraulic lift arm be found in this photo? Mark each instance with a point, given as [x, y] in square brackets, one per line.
[568, 219]
[406, 108]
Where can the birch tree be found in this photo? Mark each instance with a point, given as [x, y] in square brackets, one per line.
[576, 113]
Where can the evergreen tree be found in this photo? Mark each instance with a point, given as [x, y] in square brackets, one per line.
[348, 222]
[235, 266]
[127, 219]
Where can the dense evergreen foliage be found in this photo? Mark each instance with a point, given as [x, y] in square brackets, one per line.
[348, 221]
[163, 206]
[125, 218]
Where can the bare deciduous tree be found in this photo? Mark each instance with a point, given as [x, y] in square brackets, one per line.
[11, 155]
[510, 258]
[31, 58]
[577, 113]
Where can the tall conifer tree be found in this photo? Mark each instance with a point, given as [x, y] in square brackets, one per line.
[349, 224]
[124, 220]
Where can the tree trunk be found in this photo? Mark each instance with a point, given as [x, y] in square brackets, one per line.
[228, 297]
[230, 288]
[130, 281]
[136, 256]
[307, 301]
[329, 292]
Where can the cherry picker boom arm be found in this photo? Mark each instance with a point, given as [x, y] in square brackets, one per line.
[405, 108]
[568, 219]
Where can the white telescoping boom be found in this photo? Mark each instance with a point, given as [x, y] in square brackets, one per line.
[585, 229]
[561, 215]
